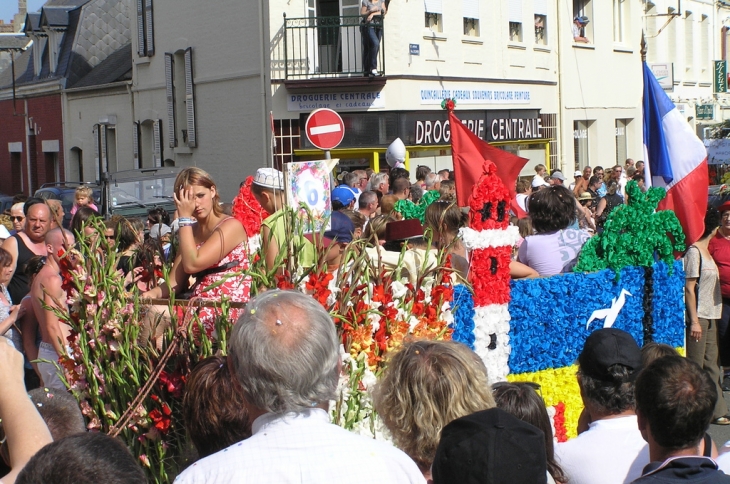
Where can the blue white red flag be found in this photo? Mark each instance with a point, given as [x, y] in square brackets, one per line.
[676, 159]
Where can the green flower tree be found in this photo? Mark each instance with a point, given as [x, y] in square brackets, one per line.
[634, 235]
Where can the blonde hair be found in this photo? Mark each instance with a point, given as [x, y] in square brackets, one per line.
[195, 176]
[425, 386]
[83, 191]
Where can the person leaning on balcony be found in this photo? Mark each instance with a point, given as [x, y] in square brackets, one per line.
[579, 24]
[372, 12]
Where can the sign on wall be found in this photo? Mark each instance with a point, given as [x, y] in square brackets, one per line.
[466, 93]
[704, 111]
[664, 73]
[339, 101]
[720, 76]
[718, 151]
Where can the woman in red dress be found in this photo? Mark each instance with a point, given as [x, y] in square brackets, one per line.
[213, 250]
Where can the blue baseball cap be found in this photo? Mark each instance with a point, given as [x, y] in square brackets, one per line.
[341, 229]
[343, 194]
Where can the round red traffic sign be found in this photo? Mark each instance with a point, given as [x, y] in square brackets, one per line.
[324, 129]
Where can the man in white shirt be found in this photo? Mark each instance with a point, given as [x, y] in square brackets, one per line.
[284, 351]
[612, 449]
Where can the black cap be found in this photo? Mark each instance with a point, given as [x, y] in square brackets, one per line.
[607, 347]
[490, 447]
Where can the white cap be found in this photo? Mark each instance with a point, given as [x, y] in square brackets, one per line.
[159, 230]
[4, 234]
[578, 173]
[269, 178]
[396, 153]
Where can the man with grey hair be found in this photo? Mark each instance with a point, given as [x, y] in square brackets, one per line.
[284, 351]
[379, 183]
[432, 181]
[368, 204]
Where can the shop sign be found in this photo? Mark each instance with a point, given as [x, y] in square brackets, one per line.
[414, 49]
[339, 101]
[720, 83]
[704, 111]
[466, 93]
[432, 128]
[664, 73]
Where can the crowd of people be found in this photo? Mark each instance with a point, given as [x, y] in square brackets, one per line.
[261, 413]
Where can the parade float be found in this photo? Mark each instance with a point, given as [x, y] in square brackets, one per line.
[524, 330]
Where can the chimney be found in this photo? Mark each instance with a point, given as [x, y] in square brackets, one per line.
[22, 7]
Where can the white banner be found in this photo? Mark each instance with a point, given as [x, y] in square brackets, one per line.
[718, 151]
[339, 101]
[475, 94]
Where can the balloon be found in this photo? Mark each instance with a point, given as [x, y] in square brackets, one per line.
[396, 154]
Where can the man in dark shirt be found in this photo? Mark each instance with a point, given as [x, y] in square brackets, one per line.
[675, 399]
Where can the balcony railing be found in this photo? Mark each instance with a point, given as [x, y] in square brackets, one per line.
[321, 47]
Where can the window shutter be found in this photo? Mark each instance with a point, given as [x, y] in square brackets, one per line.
[157, 142]
[515, 11]
[434, 6]
[140, 29]
[471, 8]
[135, 146]
[169, 88]
[97, 142]
[540, 7]
[149, 27]
[102, 148]
[190, 98]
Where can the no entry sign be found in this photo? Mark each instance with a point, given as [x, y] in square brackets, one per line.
[324, 129]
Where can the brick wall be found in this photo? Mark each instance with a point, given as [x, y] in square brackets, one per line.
[47, 121]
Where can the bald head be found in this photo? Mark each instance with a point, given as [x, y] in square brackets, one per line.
[37, 221]
[57, 239]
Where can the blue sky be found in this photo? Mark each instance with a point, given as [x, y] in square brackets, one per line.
[8, 8]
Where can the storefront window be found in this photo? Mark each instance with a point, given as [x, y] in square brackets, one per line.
[621, 141]
[580, 140]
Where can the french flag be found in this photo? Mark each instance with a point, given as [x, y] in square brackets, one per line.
[676, 159]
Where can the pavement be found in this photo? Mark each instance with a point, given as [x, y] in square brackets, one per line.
[721, 433]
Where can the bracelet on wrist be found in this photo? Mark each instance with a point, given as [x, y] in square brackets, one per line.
[186, 222]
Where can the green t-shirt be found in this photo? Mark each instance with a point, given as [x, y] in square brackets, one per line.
[278, 223]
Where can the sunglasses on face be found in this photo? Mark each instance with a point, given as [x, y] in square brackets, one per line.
[16, 218]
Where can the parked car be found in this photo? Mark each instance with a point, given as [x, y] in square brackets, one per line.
[66, 193]
[6, 201]
[130, 193]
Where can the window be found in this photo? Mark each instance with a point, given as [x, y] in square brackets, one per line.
[622, 151]
[540, 7]
[471, 17]
[145, 29]
[688, 41]
[584, 8]
[540, 29]
[515, 20]
[148, 143]
[180, 90]
[620, 19]
[471, 27]
[111, 148]
[76, 164]
[433, 16]
[580, 140]
[705, 59]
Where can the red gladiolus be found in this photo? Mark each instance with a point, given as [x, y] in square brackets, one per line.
[161, 422]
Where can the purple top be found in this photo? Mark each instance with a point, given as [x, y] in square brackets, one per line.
[553, 252]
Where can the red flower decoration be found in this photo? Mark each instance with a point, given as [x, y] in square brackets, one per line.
[561, 433]
[318, 284]
[489, 201]
[247, 209]
[489, 274]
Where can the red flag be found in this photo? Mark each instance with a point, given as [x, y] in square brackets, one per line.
[468, 153]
